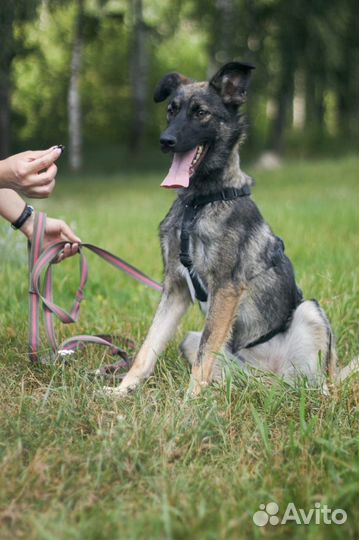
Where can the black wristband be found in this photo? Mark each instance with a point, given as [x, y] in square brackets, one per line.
[28, 210]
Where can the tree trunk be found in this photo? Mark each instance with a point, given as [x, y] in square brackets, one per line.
[276, 138]
[314, 98]
[225, 31]
[74, 98]
[283, 100]
[221, 46]
[139, 67]
[4, 113]
[6, 55]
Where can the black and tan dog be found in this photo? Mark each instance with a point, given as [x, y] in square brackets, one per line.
[217, 246]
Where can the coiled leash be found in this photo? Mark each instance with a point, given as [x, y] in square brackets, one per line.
[41, 261]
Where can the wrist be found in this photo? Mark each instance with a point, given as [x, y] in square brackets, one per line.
[28, 227]
[5, 173]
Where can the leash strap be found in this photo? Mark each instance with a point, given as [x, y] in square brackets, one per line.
[41, 261]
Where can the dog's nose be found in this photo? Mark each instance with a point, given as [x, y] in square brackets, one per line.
[168, 141]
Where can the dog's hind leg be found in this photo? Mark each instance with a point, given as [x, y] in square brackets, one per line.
[190, 345]
[306, 348]
[189, 349]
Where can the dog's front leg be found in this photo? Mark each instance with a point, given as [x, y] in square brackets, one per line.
[217, 330]
[173, 305]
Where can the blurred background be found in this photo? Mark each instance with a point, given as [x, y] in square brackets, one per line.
[82, 73]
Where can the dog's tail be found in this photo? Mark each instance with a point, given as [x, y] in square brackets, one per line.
[337, 376]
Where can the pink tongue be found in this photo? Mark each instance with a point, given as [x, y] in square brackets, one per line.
[178, 175]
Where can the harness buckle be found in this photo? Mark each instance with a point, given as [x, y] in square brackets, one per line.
[226, 196]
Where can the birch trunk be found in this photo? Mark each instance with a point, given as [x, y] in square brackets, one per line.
[74, 98]
[139, 67]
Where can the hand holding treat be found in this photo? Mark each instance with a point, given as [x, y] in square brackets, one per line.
[31, 173]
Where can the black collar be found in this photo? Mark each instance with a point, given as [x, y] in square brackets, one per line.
[227, 194]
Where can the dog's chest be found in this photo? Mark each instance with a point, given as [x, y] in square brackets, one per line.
[203, 245]
[206, 246]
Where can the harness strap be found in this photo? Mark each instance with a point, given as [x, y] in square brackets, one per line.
[191, 209]
[40, 261]
[268, 336]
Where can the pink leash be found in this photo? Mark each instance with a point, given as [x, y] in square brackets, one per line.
[40, 261]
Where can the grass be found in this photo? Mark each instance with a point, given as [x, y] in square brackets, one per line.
[77, 465]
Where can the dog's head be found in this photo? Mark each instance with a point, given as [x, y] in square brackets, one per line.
[203, 120]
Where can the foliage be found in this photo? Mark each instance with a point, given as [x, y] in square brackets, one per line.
[305, 50]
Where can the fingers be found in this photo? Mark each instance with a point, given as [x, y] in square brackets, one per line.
[46, 176]
[41, 192]
[58, 231]
[68, 234]
[44, 161]
[68, 251]
[31, 155]
[42, 178]
[40, 186]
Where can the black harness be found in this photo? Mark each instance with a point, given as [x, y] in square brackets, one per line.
[191, 209]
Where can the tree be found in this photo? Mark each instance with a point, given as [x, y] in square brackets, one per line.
[139, 68]
[74, 98]
[10, 13]
[6, 56]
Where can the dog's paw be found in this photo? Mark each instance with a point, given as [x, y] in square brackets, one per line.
[128, 384]
[115, 392]
[195, 387]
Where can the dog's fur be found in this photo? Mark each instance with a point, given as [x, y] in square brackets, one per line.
[232, 249]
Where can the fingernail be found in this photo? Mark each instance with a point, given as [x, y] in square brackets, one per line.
[58, 147]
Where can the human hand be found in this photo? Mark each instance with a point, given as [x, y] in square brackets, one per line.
[56, 230]
[31, 173]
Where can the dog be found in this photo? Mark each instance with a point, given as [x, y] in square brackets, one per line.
[217, 247]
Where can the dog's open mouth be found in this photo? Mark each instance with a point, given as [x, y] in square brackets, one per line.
[184, 165]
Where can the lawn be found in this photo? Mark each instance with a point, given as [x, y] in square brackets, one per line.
[77, 465]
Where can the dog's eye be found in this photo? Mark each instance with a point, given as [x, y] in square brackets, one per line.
[172, 109]
[201, 113]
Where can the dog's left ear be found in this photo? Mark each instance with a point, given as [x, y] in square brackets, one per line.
[169, 84]
[232, 82]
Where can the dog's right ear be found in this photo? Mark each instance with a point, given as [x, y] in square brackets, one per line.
[168, 84]
[231, 82]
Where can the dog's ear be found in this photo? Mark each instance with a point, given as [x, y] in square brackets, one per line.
[232, 81]
[168, 84]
